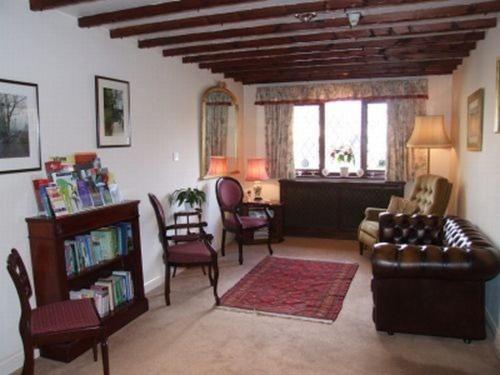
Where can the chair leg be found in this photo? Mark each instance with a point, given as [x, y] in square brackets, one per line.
[361, 248]
[29, 361]
[204, 271]
[269, 240]
[223, 245]
[210, 277]
[175, 271]
[94, 352]
[215, 268]
[105, 356]
[240, 249]
[167, 284]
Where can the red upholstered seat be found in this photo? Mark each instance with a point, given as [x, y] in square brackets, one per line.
[64, 316]
[248, 222]
[189, 252]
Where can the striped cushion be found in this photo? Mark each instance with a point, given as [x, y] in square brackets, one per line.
[64, 316]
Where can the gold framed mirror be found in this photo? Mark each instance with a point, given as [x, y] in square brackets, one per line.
[219, 129]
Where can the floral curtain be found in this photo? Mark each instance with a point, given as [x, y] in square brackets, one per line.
[320, 93]
[405, 98]
[217, 112]
[279, 141]
[403, 163]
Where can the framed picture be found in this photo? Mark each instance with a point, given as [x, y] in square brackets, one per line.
[113, 112]
[475, 109]
[19, 127]
[497, 117]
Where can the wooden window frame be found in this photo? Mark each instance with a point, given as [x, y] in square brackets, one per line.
[375, 174]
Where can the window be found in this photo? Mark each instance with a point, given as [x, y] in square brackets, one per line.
[356, 124]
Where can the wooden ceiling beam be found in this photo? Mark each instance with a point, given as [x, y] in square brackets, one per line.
[348, 75]
[279, 72]
[252, 15]
[374, 19]
[39, 5]
[161, 9]
[358, 61]
[341, 56]
[446, 39]
[340, 35]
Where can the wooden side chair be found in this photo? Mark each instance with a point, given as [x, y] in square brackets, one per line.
[55, 323]
[230, 198]
[187, 250]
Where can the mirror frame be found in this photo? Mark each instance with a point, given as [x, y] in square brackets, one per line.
[221, 88]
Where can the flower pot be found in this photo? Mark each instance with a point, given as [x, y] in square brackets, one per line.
[344, 171]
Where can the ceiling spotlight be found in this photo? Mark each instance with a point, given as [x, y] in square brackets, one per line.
[354, 18]
[305, 17]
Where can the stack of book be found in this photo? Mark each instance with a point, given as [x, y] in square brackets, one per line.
[109, 292]
[103, 244]
[73, 184]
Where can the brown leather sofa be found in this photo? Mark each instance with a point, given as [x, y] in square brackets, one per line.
[429, 276]
[430, 192]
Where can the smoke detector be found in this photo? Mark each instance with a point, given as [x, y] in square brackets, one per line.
[354, 18]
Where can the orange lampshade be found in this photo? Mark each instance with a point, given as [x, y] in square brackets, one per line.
[218, 166]
[429, 132]
[256, 170]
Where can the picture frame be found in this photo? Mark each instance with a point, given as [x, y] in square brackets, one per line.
[20, 146]
[497, 103]
[475, 117]
[112, 112]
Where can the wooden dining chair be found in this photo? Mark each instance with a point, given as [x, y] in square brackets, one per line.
[55, 323]
[187, 250]
[230, 198]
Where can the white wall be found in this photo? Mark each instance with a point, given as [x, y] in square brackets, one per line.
[478, 173]
[50, 50]
[439, 103]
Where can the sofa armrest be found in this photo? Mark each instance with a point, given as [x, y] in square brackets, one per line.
[406, 229]
[371, 213]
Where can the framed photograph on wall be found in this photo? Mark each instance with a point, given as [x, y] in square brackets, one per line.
[497, 106]
[113, 112]
[475, 109]
[19, 127]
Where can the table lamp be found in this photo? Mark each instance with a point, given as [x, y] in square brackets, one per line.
[218, 166]
[256, 172]
[429, 132]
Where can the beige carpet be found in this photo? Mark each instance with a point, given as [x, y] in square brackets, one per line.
[191, 337]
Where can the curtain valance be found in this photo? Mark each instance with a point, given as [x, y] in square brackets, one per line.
[320, 93]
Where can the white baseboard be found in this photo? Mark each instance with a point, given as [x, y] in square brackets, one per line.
[14, 362]
[495, 331]
[152, 284]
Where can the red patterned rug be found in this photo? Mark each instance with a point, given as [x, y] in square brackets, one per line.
[305, 289]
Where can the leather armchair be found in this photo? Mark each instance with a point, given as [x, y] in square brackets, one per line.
[432, 194]
[429, 276]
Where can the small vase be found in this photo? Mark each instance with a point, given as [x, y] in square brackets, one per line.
[344, 171]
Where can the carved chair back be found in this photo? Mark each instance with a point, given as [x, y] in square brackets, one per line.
[17, 271]
[160, 219]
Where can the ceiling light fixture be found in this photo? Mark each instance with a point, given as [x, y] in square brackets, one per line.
[306, 17]
[354, 18]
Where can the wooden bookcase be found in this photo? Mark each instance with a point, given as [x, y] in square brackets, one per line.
[52, 284]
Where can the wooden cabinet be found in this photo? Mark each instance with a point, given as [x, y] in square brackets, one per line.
[52, 284]
[276, 224]
[332, 207]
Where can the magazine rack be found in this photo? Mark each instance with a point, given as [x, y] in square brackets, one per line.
[52, 284]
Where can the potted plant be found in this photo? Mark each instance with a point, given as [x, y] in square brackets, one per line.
[191, 198]
[344, 156]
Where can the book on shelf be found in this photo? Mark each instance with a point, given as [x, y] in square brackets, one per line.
[119, 286]
[89, 250]
[57, 205]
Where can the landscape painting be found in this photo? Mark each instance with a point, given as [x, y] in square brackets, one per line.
[19, 127]
[475, 110]
[113, 113]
